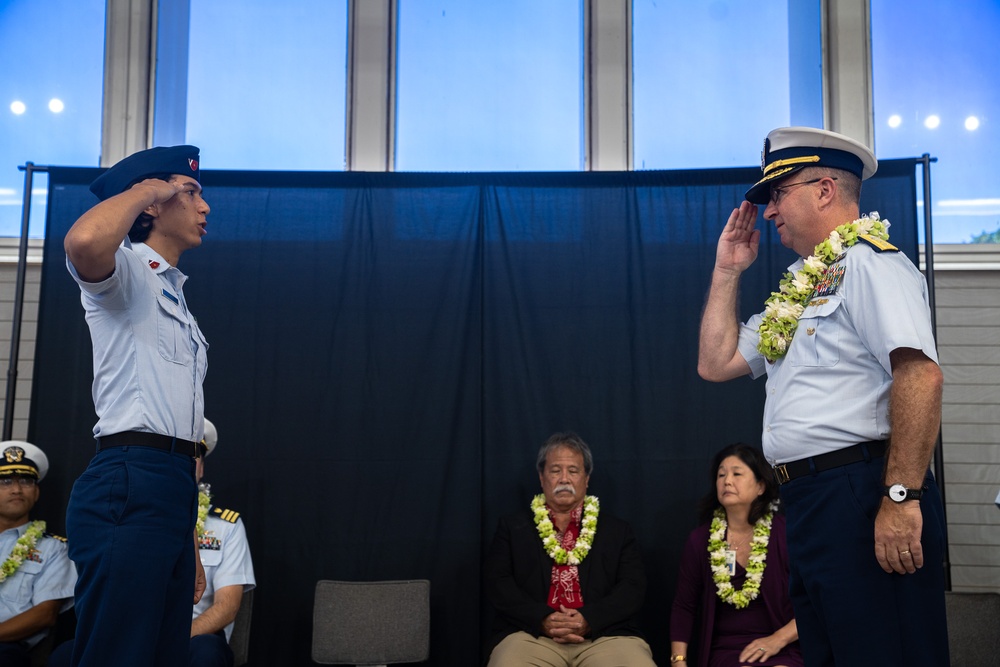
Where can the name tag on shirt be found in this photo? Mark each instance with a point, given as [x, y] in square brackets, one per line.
[170, 296]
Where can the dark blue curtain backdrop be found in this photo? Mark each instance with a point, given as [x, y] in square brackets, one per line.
[388, 351]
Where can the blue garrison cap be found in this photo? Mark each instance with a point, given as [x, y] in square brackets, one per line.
[791, 149]
[160, 160]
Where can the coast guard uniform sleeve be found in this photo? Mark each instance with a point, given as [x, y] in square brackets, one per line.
[57, 577]
[892, 308]
[112, 292]
[236, 567]
[747, 346]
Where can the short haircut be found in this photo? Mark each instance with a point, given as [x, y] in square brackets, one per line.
[569, 440]
[848, 185]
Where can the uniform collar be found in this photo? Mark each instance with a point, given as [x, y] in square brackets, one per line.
[151, 258]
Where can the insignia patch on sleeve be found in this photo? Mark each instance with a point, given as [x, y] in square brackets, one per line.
[877, 243]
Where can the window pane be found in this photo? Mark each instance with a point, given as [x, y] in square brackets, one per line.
[713, 78]
[490, 85]
[936, 84]
[53, 55]
[266, 83]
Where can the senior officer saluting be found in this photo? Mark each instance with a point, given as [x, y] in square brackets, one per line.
[853, 404]
[131, 515]
[36, 582]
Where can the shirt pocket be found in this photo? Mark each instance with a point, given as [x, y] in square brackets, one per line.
[17, 589]
[173, 332]
[817, 338]
[210, 557]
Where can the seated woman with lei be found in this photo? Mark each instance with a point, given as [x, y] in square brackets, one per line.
[732, 589]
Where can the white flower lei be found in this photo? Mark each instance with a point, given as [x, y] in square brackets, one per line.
[784, 307]
[204, 501]
[588, 528]
[717, 548]
[24, 546]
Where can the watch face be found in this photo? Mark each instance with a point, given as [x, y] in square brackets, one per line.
[897, 492]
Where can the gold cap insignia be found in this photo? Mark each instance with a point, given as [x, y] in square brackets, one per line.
[13, 454]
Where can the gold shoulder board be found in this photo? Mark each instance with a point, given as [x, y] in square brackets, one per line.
[226, 515]
[878, 244]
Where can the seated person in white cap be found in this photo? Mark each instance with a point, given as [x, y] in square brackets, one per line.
[36, 576]
[225, 554]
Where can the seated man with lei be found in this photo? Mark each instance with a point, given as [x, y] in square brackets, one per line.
[566, 579]
[37, 577]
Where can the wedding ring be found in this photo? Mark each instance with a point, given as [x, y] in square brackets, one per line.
[904, 552]
[761, 649]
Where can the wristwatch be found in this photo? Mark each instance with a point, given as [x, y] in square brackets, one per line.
[899, 493]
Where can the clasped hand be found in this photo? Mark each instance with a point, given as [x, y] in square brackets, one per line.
[566, 626]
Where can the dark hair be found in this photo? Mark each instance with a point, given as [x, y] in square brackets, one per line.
[143, 225]
[761, 471]
[569, 440]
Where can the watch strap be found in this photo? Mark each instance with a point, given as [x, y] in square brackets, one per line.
[910, 494]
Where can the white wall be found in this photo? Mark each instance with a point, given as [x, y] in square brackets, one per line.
[968, 312]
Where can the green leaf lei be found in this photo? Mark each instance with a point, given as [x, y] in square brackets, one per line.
[204, 501]
[717, 547]
[783, 308]
[588, 528]
[24, 546]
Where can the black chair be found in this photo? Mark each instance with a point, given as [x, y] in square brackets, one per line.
[973, 628]
[359, 622]
[239, 640]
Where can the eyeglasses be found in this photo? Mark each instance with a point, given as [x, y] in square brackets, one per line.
[24, 482]
[778, 191]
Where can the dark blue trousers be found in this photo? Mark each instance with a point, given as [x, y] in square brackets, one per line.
[211, 651]
[13, 654]
[130, 524]
[205, 651]
[848, 610]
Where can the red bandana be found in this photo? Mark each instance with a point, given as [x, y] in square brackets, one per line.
[565, 589]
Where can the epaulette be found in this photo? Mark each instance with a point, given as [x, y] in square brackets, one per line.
[877, 243]
[54, 536]
[226, 515]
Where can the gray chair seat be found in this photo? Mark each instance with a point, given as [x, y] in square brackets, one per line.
[371, 623]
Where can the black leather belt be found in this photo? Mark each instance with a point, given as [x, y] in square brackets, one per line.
[864, 451]
[143, 439]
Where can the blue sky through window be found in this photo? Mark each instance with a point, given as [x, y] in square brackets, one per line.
[497, 86]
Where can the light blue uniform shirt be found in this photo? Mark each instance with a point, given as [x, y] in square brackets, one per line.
[225, 555]
[831, 390]
[46, 574]
[150, 357]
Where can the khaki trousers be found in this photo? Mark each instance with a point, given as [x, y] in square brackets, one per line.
[521, 649]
